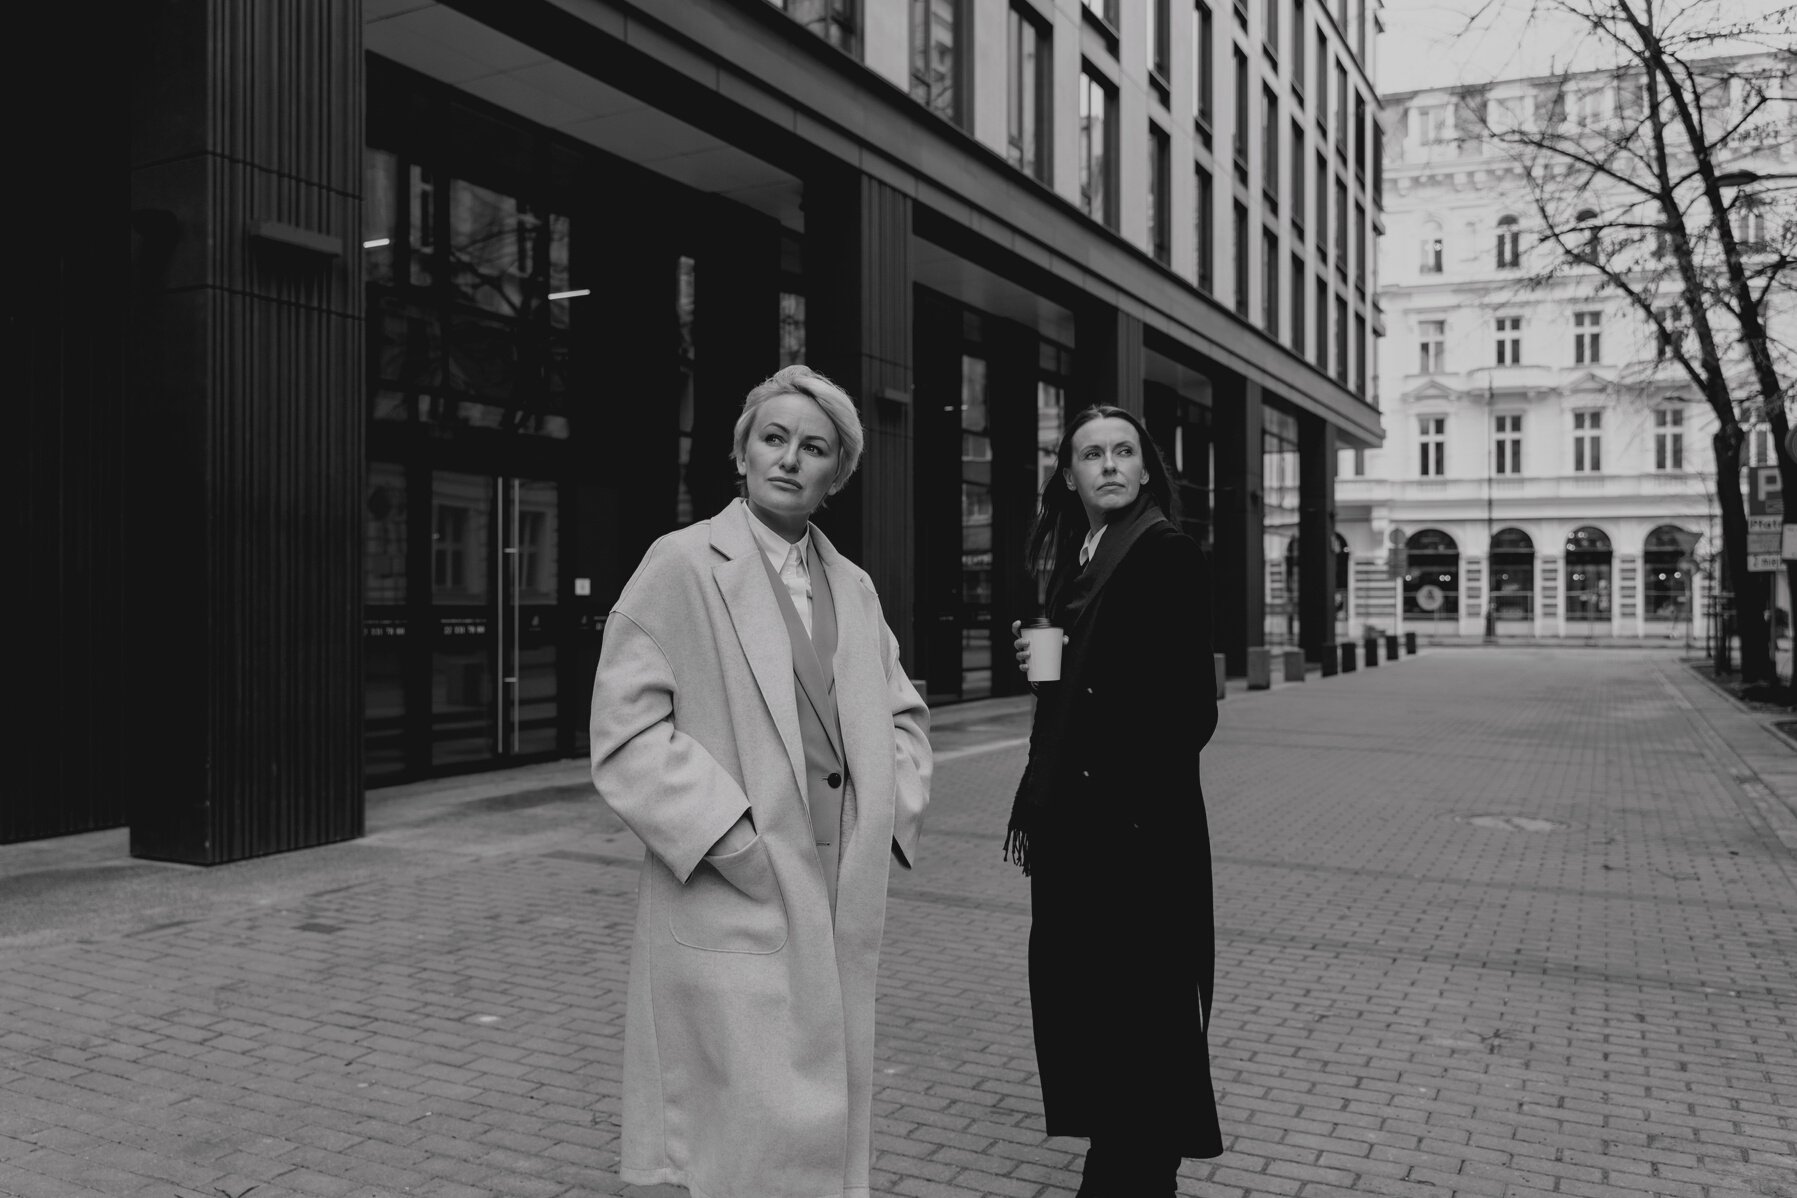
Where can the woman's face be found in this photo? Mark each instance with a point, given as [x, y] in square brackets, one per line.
[789, 461]
[1108, 470]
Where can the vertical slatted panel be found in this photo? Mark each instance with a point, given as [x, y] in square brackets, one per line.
[1316, 534]
[258, 395]
[1239, 598]
[63, 326]
[888, 546]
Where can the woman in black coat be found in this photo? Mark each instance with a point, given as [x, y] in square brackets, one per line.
[1109, 818]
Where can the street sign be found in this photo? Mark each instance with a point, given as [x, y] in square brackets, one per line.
[1765, 543]
[1429, 597]
[1788, 550]
[1764, 498]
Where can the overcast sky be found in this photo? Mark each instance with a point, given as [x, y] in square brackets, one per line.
[1436, 43]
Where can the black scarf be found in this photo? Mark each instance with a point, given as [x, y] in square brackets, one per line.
[1073, 602]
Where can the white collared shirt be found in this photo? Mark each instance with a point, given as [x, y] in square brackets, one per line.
[780, 552]
[1089, 546]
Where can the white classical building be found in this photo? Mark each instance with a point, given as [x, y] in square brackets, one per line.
[1536, 435]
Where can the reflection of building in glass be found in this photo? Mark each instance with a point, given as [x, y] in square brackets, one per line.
[519, 282]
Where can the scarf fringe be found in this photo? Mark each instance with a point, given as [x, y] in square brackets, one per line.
[1017, 849]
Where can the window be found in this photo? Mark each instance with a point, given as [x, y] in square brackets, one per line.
[1378, 164]
[1509, 445]
[1160, 183]
[1587, 329]
[836, 21]
[1206, 222]
[1297, 304]
[1203, 68]
[1159, 35]
[1432, 338]
[1322, 223]
[1587, 218]
[1431, 249]
[1269, 148]
[1509, 341]
[1322, 337]
[1027, 94]
[1360, 245]
[1104, 10]
[1587, 442]
[1241, 115]
[936, 56]
[1297, 187]
[1322, 95]
[1341, 228]
[1669, 333]
[1270, 31]
[1432, 441]
[1241, 259]
[1433, 123]
[1341, 340]
[1360, 354]
[1360, 137]
[1341, 112]
[1509, 243]
[1297, 44]
[1750, 225]
[1669, 439]
[1241, 13]
[1269, 282]
[1097, 159]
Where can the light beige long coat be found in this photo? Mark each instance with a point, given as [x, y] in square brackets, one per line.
[749, 1034]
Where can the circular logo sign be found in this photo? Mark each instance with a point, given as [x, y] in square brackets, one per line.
[1429, 597]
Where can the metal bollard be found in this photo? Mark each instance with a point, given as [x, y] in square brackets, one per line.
[1372, 652]
[1222, 674]
[1294, 665]
[1348, 659]
[1332, 661]
[1410, 643]
[1391, 646]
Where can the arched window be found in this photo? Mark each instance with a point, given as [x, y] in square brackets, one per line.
[1432, 575]
[1587, 220]
[1666, 572]
[1512, 574]
[1588, 566]
[1431, 248]
[1509, 243]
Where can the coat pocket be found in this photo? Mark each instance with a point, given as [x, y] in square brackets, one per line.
[731, 904]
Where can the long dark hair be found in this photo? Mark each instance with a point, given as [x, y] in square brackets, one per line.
[1061, 521]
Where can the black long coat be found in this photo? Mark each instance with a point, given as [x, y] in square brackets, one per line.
[1122, 946]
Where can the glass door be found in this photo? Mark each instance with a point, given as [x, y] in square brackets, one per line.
[494, 583]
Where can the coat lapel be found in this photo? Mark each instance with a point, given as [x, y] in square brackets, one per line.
[760, 628]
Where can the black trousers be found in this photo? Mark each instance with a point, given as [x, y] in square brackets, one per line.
[1126, 1167]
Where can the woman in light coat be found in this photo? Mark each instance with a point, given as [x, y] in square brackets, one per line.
[752, 724]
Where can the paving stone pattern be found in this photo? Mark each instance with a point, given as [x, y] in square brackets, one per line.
[1589, 993]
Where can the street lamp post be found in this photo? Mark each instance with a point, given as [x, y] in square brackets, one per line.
[1490, 573]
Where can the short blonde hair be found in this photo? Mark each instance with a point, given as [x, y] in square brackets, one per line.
[799, 379]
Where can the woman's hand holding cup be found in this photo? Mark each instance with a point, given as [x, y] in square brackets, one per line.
[1038, 649]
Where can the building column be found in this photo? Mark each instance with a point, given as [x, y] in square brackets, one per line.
[246, 423]
[858, 315]
[1109, 362]
[1239, 563]
[1316, 535]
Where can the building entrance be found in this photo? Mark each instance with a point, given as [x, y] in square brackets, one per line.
[463, 628]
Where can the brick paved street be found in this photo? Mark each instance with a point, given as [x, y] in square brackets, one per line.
[1504, 923]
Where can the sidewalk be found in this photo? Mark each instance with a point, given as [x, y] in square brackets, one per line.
[1507, 924]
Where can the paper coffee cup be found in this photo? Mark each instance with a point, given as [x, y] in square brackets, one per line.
[1045, 651]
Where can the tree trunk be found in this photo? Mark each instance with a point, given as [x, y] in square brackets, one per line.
[1787, 481]
[1748, 590]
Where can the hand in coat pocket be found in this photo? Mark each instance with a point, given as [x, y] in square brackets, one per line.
[731, 904]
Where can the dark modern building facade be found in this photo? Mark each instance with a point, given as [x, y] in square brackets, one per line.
[387, 334]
